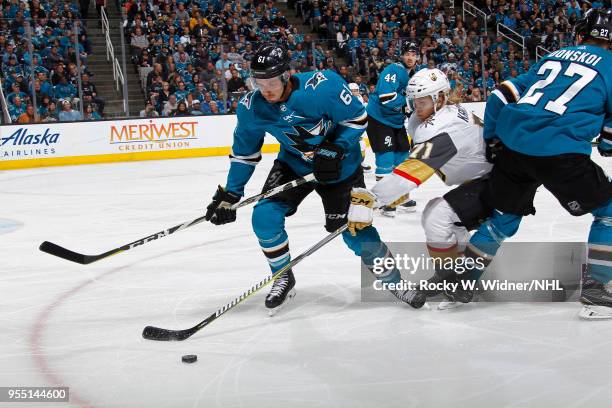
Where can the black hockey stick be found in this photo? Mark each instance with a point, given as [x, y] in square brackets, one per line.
[56, 250]
[159, 334]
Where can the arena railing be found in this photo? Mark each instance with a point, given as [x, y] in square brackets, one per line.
[511, 35]
[472, 10]
[5, 112]
[541, 52]
[110, 56]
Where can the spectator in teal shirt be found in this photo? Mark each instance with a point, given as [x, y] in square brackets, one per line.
[67, 114]
[64, 90]
[16, 108]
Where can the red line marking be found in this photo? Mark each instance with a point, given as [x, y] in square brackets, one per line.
[37, 331]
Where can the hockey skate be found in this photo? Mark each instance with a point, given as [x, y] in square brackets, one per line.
[596, 298]
[282, 289]
[454, 299]
[408, 207]
[388, 211]
[366, 168]
[439, 278]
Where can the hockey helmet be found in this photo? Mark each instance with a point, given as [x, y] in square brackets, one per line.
[409, 46]
[597, 24]
[427, 82]
[269, 61]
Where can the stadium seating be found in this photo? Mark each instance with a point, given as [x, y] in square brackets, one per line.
[188, 50]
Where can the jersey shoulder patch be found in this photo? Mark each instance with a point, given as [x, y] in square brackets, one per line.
[247, 107]
[315, 80]
[247, 100]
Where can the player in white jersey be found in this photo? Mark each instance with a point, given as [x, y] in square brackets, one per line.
[448, 142]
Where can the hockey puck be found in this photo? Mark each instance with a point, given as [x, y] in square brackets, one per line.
[189, 358]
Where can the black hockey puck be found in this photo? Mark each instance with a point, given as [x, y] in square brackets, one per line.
[189, 358]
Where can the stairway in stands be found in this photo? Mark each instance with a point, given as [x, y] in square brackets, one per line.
[102, 68]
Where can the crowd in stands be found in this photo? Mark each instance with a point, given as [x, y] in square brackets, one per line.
[369, 35]
[193, 56]
[41, 83]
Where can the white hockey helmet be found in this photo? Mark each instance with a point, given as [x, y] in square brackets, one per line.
[428, 82]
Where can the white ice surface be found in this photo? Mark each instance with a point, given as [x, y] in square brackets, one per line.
[80, 326]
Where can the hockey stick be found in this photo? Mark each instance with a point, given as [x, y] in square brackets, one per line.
[56, 250]
[159, 334]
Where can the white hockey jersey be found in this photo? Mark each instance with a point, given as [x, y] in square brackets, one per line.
[449, 144]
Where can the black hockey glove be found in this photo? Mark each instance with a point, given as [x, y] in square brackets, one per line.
[220, 211]
[605, 149]
[327, 162]
[494, 148]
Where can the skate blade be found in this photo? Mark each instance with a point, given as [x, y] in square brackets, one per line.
[448, 305]
[591, 312]
[274, 312]
[406, 210]
[388, 214]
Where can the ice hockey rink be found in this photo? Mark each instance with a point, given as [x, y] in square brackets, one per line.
[80, 325]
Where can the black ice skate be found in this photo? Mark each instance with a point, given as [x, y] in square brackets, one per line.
[463, 294]
[388, 211]
[408, 206]
[438, 280]
[282, 288]
[597, 300]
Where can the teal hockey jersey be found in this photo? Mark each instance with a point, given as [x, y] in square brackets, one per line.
[319, 107]
[557, 107]
[387, 103]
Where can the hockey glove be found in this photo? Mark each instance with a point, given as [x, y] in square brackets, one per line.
[361, 211]
[327, 162]
[494, 148]
[220, 210]
[604, 146]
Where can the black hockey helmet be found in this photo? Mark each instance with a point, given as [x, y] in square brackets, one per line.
[409, 46]
[596, 23]
[269, 61]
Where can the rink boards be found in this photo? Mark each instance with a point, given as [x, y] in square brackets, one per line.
[58, 144]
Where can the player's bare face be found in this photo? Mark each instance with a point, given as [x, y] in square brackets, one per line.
[271, 89]
[410, 59]
[423, 107]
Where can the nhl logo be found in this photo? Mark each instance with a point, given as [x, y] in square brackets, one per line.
[283, 108]
[433, 77]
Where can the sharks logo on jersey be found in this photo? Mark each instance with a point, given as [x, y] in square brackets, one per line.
[299, 123]
[247, 99]
[315, 80]
[306, 140]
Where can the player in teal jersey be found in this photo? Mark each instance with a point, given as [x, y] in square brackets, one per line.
[318, 124]
[539, 127]
[387, 114]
